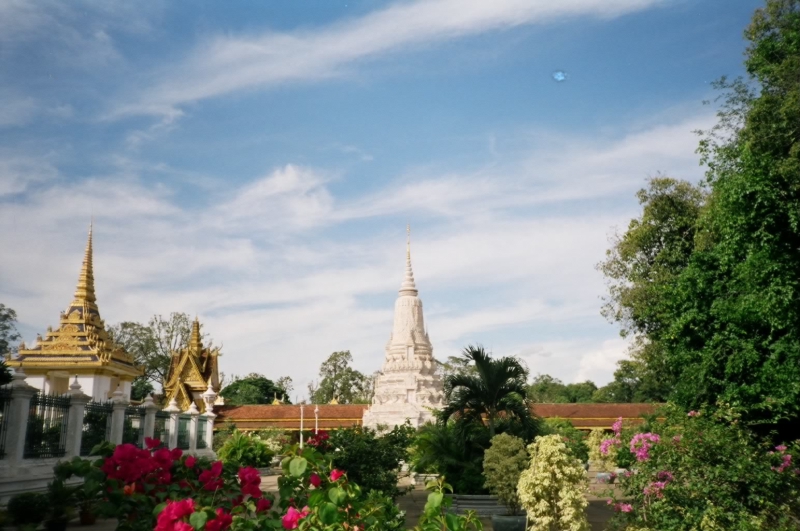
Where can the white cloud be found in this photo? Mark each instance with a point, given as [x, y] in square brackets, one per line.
[274, 277]
[228, 64]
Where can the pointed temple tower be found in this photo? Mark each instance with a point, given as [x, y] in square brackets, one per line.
[408, 387]
[80, 346]
[192, 371]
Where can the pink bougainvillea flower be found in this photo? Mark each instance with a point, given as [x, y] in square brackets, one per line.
[606, 444]
[264, 504]
[222, 522]
[693, 413]
[336, 474]
[175, 453]
[210, 478]
[292, 517]
[171, 517]
[656, 489]
[249, 481]
[152, 443]
[617, 427]
[315, 480]
[190, 461]
[641, 444]
[623, 507]
[781, 448]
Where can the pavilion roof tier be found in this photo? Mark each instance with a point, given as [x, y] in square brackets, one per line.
[81, 340]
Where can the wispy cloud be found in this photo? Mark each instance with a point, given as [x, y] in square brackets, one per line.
[229, 63]
[269, 270]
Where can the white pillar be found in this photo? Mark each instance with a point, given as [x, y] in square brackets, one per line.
[194, 413]
[301, 426]
[150, 409]
[119, 403]
[209, 397]
[21, 394]
[174, 411]
[77, 408]
[316, 420]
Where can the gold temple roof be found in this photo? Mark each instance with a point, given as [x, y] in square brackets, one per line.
[191, 370]
[81, 340]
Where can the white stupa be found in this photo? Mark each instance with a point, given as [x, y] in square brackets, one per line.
[408, 388]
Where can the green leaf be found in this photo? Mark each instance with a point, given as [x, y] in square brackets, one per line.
[158, 508]
[297, 466]
[435, 499]
[198, 520]
[328, 513]
[337, 495]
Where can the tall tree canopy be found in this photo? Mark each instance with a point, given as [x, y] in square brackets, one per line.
[545, 389]
[496, 389]
[8, 330]
[337, 379]
[252, 389]
[734, 313]
[639, 268]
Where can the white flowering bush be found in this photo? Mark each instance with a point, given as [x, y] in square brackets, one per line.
[552, 490]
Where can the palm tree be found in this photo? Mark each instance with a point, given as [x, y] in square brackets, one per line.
[495, 389]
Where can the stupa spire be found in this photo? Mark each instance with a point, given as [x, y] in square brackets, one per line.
[408, 287]
[84, 292]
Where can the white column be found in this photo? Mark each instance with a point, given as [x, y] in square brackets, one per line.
[194, 413]
[119, 403]
[174, 411]
[209, 397]
[316, 420]
[21, 394]
[77, 408]
[150, 409]
[301, 426]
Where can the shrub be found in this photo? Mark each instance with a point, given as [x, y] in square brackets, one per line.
[574, 438]
[28, 509]
[698, 470]
[370, 460]
[503, 463]
[242, 449]
[552, 490]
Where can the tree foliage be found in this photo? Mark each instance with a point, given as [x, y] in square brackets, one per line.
[152, 346]
[733, 313]
[503, 463]
[545, 389]
[337, 379]
[497, 388]
[8, 330]
[252, 389]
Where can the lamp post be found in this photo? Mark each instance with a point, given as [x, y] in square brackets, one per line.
[316, 420]
[301, 426]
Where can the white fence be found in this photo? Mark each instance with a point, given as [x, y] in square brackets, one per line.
[37, 431]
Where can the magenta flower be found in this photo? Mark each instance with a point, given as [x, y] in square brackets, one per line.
[623, 507]
[641, 444]
[315, 480]
[617, 427]
[693, 413]
[336, 474]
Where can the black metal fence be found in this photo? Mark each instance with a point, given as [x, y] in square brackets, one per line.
[183, 431]
[161, 427]
[133, 428]
[96, 425]
[202, 426]
[46, 434]
[5, 406]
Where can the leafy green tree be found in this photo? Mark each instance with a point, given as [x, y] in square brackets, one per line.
[496, 389]
[545, 389]
[252, 389]
[640, 267]
[337, 379]
[285, 383]
[734, 311]
[8, 330]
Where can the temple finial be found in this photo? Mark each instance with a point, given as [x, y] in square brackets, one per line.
[408, 287]
[194, 339]
[85, 290]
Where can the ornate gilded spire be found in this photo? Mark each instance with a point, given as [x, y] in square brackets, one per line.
[195, 344]
[408, 287]
[85, 290]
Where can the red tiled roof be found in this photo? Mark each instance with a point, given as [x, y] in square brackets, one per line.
[287, 417]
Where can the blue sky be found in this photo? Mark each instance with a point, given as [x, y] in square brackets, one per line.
[256, 163]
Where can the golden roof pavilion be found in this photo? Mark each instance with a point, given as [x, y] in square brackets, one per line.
[80, 346]
[191, 371]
